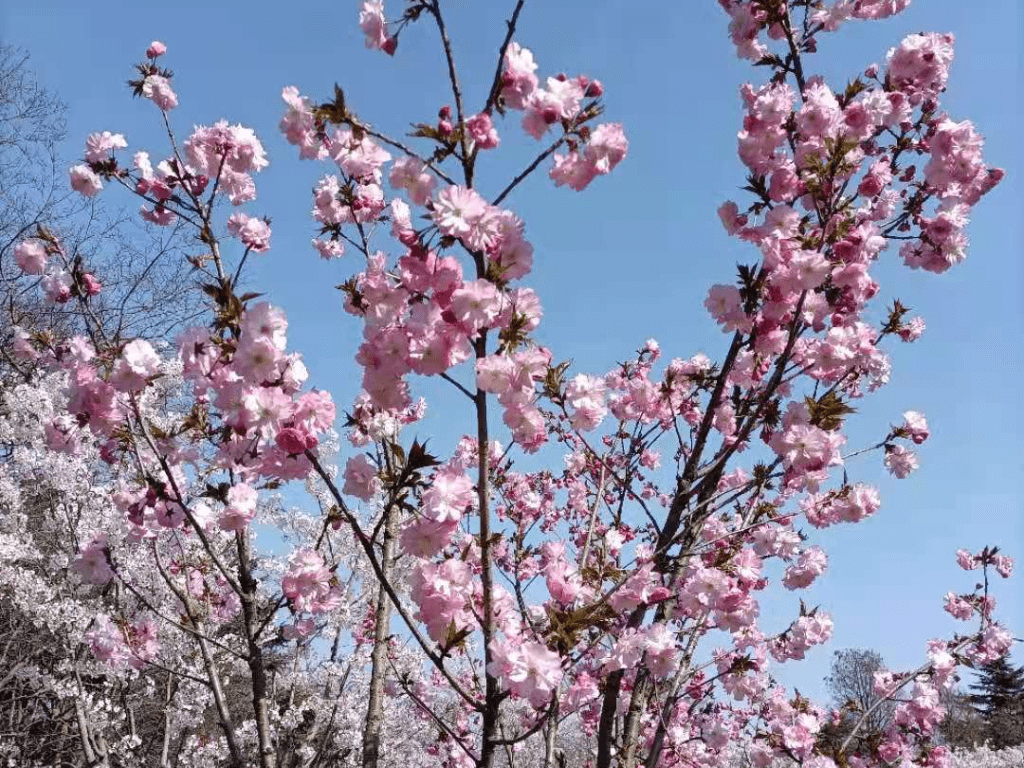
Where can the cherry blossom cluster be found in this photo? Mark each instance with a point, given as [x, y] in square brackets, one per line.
[62, 278]
[134, 644]
[620, 583]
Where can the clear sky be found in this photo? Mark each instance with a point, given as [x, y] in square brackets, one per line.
[633, 256]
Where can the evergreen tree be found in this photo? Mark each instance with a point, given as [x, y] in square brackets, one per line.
[999, 698]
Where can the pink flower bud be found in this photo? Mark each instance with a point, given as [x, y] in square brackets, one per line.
[91, 285]
[108, 452]
[198, 184]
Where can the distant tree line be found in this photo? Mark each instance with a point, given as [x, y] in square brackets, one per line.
[990, 710]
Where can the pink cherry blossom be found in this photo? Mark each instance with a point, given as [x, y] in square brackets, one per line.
[137, 364]
[307, 580]
[957, 607]
[731, 218]
[61, 435]
[915, 426]
[900, 460]
[240, 508]
[329, 249]
[528, 669]
[358, 155]
[298, 125]
[295, 441]
[30, 255]
[476, 305]
[559, 100]
[264, 321]
[447, 497]
[518, 79]
[919, 66]
[254, 233]
[966, 560]
[361, 478]
[107, 641]
[586, 395]
[228, 154]
[482, 131]
[912, 329]
[92, 565]
[1003, 565]
[957, 171]
[606, 148]
[374, 26]
[726, 306]
[157, 89]
[878, 9]
[412, 175]
[458, 211]
[99, 145]
[820, 116]
[812, 563]
[89, 285]
[85, 181]
[442, 593]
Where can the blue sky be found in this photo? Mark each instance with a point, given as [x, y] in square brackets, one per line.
[633, 256]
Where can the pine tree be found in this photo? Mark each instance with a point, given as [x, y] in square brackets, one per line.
[999, 698]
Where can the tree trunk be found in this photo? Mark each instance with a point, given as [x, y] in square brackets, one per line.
[381, 632]
[257, 667]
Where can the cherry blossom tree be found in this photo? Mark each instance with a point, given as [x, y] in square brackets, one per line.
[983, 757]
[468, 609]
[142, 267]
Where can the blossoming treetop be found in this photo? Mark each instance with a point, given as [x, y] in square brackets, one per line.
[604, 607]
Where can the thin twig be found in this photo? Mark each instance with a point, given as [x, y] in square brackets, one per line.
[492, 97]
[528, 170]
